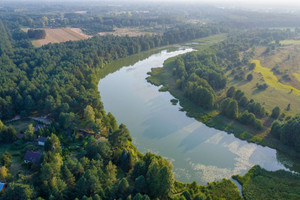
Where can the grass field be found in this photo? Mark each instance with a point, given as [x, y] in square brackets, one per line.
[21, 125]
[60, 35]
[131, 32]
[271, 79]
[279, 91]
[205, 42]
[297, 76]
[288, 60]
[290, 42]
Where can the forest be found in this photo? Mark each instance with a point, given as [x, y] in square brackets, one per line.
[81, 152]
[59, 80]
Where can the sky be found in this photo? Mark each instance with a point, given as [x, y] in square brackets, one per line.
[270, 2]
[284, 3]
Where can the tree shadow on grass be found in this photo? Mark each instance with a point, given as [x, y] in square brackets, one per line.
[257, 91]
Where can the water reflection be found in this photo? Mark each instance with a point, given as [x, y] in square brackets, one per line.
[197, 152]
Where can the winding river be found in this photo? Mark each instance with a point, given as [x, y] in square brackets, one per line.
[198, 153]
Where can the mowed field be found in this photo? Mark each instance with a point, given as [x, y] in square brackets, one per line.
[58, 35]
[280, 92]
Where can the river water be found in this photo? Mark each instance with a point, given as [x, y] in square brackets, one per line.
[198, 153]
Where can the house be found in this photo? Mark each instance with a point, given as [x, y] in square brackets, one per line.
[41, 141]
[38, 127]
[2, 186]
[32, 157]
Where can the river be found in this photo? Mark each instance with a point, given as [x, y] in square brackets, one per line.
[198, 153]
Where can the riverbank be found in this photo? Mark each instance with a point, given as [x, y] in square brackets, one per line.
[213, 118]
[226, 186]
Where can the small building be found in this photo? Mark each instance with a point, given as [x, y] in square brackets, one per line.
[32, 157]
[38, 127]
[41, 141]
[2, 186]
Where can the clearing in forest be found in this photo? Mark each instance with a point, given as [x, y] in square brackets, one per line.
[58, 35]
[131, 32]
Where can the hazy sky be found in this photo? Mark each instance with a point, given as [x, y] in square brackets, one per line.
[284, 3]
[270, 2]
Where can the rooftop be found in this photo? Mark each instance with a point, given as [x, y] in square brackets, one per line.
[2, 185]
[33, 156]
[42, 139]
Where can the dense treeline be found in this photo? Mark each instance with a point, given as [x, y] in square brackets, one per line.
[200, 75]
[101, 169]
[36, 34]
[59, 80]
[180, 33]
[7, 134]
[288, 132]
[91, 23]
[251, 109]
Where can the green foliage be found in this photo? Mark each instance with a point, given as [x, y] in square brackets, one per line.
[60, 80]
[158, 175]
[256, 108]
[140, 184]
[120, 137]
[29, 132]
[53, 144]
[231, 92]
[3, 173]
[111, 173]
[199, 77]
[252, 66]
[7, 135]
[123, 187]
[250, 119]
[96, 150]
[243, 102]
[276, 129]
[112, 122]
[88, 113]
[224, 189]
[89, 184]
[229, 108]
[68, 120]
[139, 196]
[288, 132]
[126, 160]
[68, 176]
[275, 112]
[261, 184]
[36, 34]
[18, 191]
[6, 159]
[238, 95]
[249, 77]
